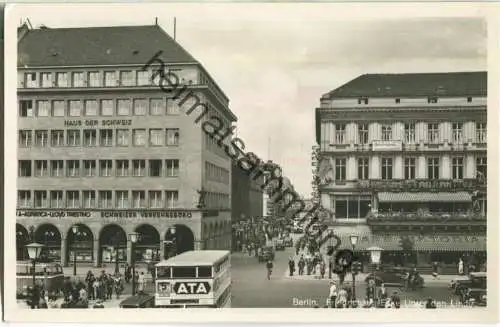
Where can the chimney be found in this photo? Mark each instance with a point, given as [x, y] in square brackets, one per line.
[22, 31]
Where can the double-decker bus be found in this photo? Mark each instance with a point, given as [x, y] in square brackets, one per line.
[194, 279]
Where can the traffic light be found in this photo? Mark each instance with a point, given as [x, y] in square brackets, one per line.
[356, 267]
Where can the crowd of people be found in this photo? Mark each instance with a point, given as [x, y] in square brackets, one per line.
[341, 296]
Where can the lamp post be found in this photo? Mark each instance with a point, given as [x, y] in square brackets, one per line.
[74, 229]
[133, 239]
[354, 241]
[34, 250]
[172, 242]
[375, 254]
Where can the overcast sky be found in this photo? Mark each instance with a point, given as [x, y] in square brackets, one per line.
[274, 61]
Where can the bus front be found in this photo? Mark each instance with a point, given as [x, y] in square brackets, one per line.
[186, 286]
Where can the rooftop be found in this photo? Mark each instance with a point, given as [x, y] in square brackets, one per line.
[115, 45]
[190, 258]
[409, 85]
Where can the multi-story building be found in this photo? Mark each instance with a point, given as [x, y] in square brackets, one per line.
[103, 147]
[247, 194]
[403, 163]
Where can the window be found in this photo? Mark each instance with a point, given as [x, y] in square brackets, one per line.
[139, 199]
[91, 108]
[88, 199]
[72, 199]
[24, 199]
[105, 168]
[105, 200]
[363, 101]
[107, 108]
[56, 168]
[155, 200]
[143, 78]
[41, 200]
[73, 137]
[363, 133]
[157, 107]
[410, 168]
[173, 107]
[127, 78]
[124, 107]
[106, 137]
[41, 139]
[89, 168]
[24, 168]
[73, 168]
[56, 199]
[481, 132]
[171, 197]
[433, 132]
[122, 137]
[457, 132]
[432, 100]
[386, 132]
[155, 168]
[62, 79]
[122, 199]
[78, 79]
[172, 136]
[433, 168]
[31, 80]
[46, 79]
[140, 107]
[110, 79]
[339, 133]
[363, 167]
[26, 108]
[139, 137]
[122, 168]
[89, 137]
[172, 167]
[94, 79]
[138, 168]
[41, 168]
[58, 109]
[156, 137]
[25, 138]
[43, 109]
[410, 133]
[481, 167]
[57, 138]
[340, 170]
[75, 108]
[458, 168]
[386, 168]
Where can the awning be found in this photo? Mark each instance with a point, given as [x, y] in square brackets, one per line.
[385, 197]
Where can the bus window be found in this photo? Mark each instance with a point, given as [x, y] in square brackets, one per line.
[184, 272]
[163, 272]
[205, 272]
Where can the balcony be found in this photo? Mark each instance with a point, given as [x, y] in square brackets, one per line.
[383, 218]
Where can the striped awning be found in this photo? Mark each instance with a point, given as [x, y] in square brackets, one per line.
[392, 242]
[426, 197]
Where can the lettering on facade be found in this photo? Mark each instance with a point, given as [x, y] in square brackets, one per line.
[106, 214]
[54, 214]
[423, 238]
[96, 123]
[418, 185]
[381, 145]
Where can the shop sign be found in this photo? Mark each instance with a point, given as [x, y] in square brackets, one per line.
[192, 288]
[419, 185]
[93, 123]
[424, 238]
[380, 145]
[106, 214]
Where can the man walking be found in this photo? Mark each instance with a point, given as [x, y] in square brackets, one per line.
[332, 294]
[291, 266]
[269, 266]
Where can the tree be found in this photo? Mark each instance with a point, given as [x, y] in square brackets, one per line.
[407, 244]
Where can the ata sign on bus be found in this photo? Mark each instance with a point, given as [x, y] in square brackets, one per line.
[192, 288]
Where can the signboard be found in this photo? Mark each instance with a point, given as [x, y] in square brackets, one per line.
[93, 123]
[106, 214]
[191, 288]
[420, 185]
[380, 145]
[379, 239]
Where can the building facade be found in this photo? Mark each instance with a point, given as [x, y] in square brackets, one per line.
[247, 194]
[402, 163]
[104, 147]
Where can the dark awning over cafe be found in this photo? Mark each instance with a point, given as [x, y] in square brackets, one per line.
[426, 197]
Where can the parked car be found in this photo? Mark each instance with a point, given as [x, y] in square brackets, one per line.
[142, 300]
[288, 240]
[475, 297]
[266, 253]
[279, 245]
[474, 280]
[393, 277]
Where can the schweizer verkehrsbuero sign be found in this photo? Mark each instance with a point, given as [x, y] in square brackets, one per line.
[433, 185]
[105, 213]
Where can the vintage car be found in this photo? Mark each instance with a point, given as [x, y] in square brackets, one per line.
[474, 280]
[279, 244]
[265, 254]
[393, 277]
[288, 240]
[141, 300]
[475, 297]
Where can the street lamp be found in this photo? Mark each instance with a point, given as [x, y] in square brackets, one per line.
[74, 229]
[375, 255]
[133, 239]
[354, 241]
[34, 250]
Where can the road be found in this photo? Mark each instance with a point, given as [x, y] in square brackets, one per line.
[251, 289]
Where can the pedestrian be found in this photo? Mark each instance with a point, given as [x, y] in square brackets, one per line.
[301, 265]
[395, 300]
[291, 265]
[332, 295]
[382, 294]
[435, 273]
[269, 267]
[140, 282]
[109, 287]
[118, 286]
[341, 298]
[370, 291]
[128, 274]
[460, 266]
[317, 270]
[430, 304]
[95, 288]
[89, 279]
[322, 269]
[136, 281]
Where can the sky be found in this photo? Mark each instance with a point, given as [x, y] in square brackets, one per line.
[274, 61]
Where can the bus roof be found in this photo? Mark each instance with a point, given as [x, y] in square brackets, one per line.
[191, 258]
